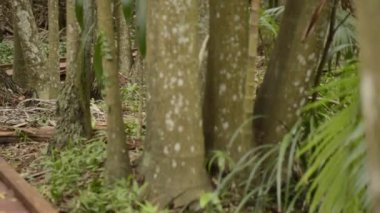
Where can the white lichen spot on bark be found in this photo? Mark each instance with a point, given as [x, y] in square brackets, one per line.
[368, 95]
[166, 150]
[193, 170]
[301, 59]
[192, 149]
[183, 40]
[225, 125]
[301, 90]
[174, 164]
[180, 82]
[177, 147]
[308, 75]
[178, 103]
[222, 89]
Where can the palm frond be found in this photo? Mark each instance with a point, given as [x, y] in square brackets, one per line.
[335, 180]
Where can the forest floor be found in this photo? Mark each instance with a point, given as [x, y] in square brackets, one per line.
[21, 151]
[27, 127]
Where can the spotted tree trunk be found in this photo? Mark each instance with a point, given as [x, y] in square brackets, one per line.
[174, 158]
[227, 68]
[369, 39]
[291, 70]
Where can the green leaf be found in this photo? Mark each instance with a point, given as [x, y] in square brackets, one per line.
[205, 199]
[209, 198]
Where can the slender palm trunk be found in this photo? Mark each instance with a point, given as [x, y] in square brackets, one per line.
[53, 58]
[117, 164]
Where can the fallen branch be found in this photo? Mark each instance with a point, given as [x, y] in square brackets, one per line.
[13, 134]
[9, 134]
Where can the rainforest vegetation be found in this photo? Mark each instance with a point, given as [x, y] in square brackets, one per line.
[193, 106]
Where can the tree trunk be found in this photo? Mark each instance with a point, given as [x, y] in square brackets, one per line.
[227, 66]
[174, 158]
[73, 105]
[123, 38]
[31, 46]
[53, 59]
[88, 38]
[19, 67]
[291, 70]
[2, 19]
[204, 36]
[72, 37]
[117, 164]
[250, 85]
[369, 38]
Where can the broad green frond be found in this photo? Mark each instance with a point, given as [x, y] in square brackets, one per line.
[335, 179]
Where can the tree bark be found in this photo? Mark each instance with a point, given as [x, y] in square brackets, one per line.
[73, 104]
[227, 69]
[250, 85]
[123, 38]
[31, 46]
[204, 37]
[72, 37]
[88, 38]
[2, 19]
[174, 158]
[53, 58]
[117, 164]
[369, 39]
[291, 70]
[19, 67]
